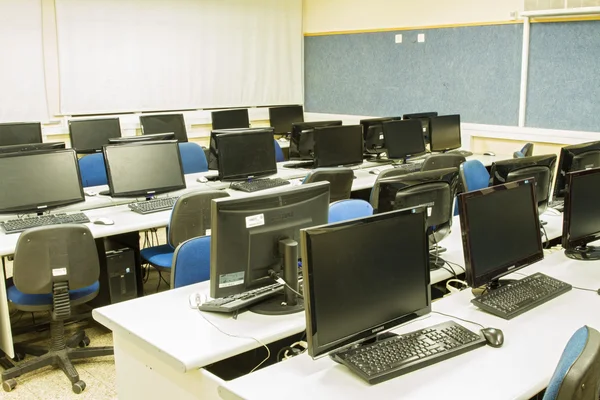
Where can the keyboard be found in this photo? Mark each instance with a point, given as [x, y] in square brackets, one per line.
[302, 164]
[259, 184]
[514, 299]
[21, 224]
[154, 205]
[558, 205]
[463, 153]
[236, 302]
[409, 167]
[386, 359]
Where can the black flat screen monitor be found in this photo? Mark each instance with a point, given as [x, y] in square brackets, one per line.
[144, 138]
[423, 117]
[40, 180]
[20, 133]
[89, 135]
[282, 118]
[144, 169]
[256, 234]
[444, 133]
[403, 139]
[338, 146]
[213, 151]
[230, 119]
[245, 155]
[364, 276]
[161, 123]
[541, 168]
[581, 219]
[501, 231]
[373, 134]
[575, 158]
[302, 141]
[16, 148]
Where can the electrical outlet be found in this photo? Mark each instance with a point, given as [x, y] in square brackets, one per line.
[399, 38]
[421, 37]
[514, 15]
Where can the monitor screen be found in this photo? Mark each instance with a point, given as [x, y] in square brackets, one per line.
[213, 151]
[20, 133]
[403, 139]
[37, 181]
[244, 155]
[246, 233]
[581, 221]
[444, 132]
[498, 239]
[88, 136]
[16, 148]
[165, 123]
[364, 276]
[423, 117]
[282, 118]
[302, 140]
[143, 169]
[575, 158]
[230, 119]
[338, 145]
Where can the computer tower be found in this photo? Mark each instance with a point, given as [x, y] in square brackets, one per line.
[118, 280]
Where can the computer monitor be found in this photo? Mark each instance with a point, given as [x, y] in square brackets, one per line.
[338, 146]
[539, 167]
[362, 277]
[38, 181]
[143, 169]
[213, 151]
[581, 218]
[254, 235]
[403, 139]
[434, 189]
[245, 155]
[500, 231]
[89, 135]
[20, 133]
[373, 134]
[161, 123]
[230, 119]
[144, 138]
[282, 118]
[444, 133]
[424, 119]
[302, 141]
[20, 148]
[575, 158]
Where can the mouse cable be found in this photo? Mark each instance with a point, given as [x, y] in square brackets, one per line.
[574, 287]
[460, 319]
[240, 337]
[455, 264]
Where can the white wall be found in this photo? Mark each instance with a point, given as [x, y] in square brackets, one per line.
[343, 15]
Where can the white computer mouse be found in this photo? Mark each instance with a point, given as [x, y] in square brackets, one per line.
[202, 179]
[197, 299]
[104, 221]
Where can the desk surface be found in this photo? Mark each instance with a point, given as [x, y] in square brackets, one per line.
[521, 368]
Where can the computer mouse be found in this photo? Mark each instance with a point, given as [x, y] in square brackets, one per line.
[202, 179]
[104, 221]
[197, 299]
[493, 336]
[489, 153]
[374, 171]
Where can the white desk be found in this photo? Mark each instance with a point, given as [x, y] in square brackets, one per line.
[521, 368]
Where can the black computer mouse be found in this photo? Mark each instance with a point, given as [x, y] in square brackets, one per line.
[493, 336]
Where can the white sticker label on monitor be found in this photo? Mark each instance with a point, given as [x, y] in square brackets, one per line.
[381, 136]
[429, 210]
[59, 271]
[255, 220]
[424, 130]
[233, 279]
[208, 232]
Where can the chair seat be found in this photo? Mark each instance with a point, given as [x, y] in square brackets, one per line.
[19, 298]
[159, 256]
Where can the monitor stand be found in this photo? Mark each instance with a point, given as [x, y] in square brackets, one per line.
[287, 303]
[584, 253]
[435, 261]
[493, 285]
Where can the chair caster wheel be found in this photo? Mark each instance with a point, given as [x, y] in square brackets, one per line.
[9, 385]
[18, 357]
[78, 387]
[85, 342]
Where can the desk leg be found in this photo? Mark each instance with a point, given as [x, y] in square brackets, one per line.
[6, 339]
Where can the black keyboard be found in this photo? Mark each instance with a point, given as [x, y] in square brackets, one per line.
[301, 164]
[515, 298]
[233, 303]
[464, 153]
[399, 355]
[21, 224]
[558, 205]
[409, 167]
[154, 205]
[259, 184]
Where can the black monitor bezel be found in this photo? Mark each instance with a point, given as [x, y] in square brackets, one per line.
[231, 111]
[150, 137]
[366, 124]
[432, 146]
[565, 162]
[406, 122]
[180, 138]
[30, 147]
[324, 130]
[298, 128]
[273, 111]
[39, 137]
[237, 177]
[90, 150]
[567, 242]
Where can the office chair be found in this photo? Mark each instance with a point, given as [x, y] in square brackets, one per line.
[278, 152]
[93, 170]
[577, 375]
[340, 180]
[191, 262]
[388, 173]
[349, 209]
[439, 161]
[190, 218]
[55, 268]
[526, 151]
[473, 176]
[193, 158]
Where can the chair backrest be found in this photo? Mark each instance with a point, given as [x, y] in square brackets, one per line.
[340, 180]
[191, 215]
[55, 253]
[278, 152]
[577, 375]
[518, 154]
[191, 262]
[93, 170]
[388, 173]
[527, 150]
[192, 158]
[439, 161]
[349, 209]
[474, 175]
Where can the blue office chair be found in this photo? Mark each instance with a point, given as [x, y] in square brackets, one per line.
[93, 170]
[526, 151]
[191, 262]
[349, 209]
[278, 152]
[577, 375]
[474, 176]
[192, 158]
